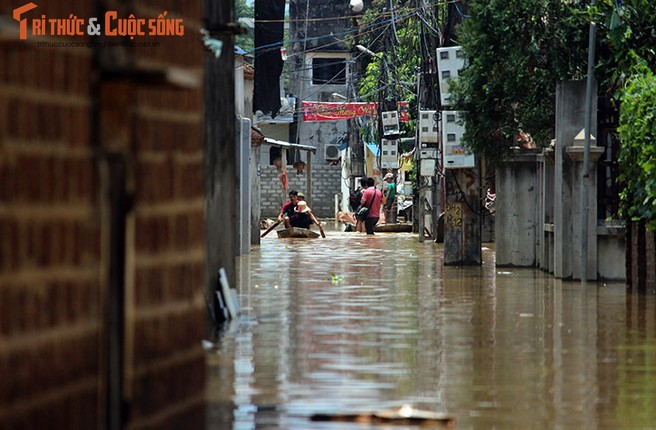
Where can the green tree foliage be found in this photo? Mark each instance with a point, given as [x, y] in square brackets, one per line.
[245, 10]
[516, 53]
[626, 66]
[391, 75]
[638, 152]
[627, 30]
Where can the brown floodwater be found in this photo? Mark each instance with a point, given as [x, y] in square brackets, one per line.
[352, 323]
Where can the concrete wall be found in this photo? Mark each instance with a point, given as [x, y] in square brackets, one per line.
[64, 180]
[535, 245]
[325, 184]
[539, 205]
[317, 33]
[611, 253]
[517, 210]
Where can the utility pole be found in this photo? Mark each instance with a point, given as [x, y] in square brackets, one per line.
[585, 180]
[462, 215]
[462, 221]
[426, 155]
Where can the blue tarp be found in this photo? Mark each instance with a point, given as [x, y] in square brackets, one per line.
[374, 148]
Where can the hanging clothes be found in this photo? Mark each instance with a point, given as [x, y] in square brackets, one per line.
[269, 26]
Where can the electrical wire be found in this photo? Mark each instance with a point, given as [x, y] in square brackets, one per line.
[393, 20]
[419, 12]
[276, 45]
[350, 16]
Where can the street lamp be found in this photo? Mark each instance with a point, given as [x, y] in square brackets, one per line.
[381, 56]
[356, 5]
[368, 51]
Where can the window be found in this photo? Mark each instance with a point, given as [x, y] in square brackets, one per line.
[275, 153]
[328, 71]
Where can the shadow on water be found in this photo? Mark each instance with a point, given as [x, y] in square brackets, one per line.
[356, 323]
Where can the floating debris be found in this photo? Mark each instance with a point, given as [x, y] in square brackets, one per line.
[209, 345]
[405, 415]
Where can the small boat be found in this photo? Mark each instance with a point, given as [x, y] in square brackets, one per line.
[297, 232]
[393, 228]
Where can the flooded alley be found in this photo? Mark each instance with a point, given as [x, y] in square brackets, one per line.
[352, 323]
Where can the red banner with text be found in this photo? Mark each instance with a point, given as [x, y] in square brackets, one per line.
[404, 111]
[334, 111]
[325, 111]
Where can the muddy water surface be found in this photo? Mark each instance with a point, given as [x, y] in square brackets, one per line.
[355, 323]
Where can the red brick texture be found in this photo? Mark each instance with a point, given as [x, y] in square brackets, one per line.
[53, 258]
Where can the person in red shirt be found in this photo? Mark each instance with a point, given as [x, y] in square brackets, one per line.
[371, 198]
[287, 210]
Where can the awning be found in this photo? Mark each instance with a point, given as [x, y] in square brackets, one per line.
[374, 148]
[283, 144]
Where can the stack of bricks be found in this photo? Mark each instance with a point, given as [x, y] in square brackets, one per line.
[326, 183]
[54, 265]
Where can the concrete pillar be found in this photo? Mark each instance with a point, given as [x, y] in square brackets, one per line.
[570, 115]
[546, 210]
[462, 226]
[575, 156]
[517, 210]
[255, 173]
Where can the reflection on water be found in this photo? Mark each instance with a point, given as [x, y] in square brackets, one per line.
[356, 323]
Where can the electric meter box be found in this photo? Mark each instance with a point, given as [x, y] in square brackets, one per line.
[428, 150]
[455, 154]
[449, 63]
[391, 123]
[427, 167]
[428, 131]
[389, 155]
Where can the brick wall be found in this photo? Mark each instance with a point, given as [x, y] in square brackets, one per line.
[54, 239]
[165, 306]
[50, 242]
[325, 184]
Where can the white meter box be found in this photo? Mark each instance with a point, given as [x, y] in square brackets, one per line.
[455, 154]
[449, 63]
[428, 126]
[389, 156]
[427, 167]
[427, 150]
[391, 123]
